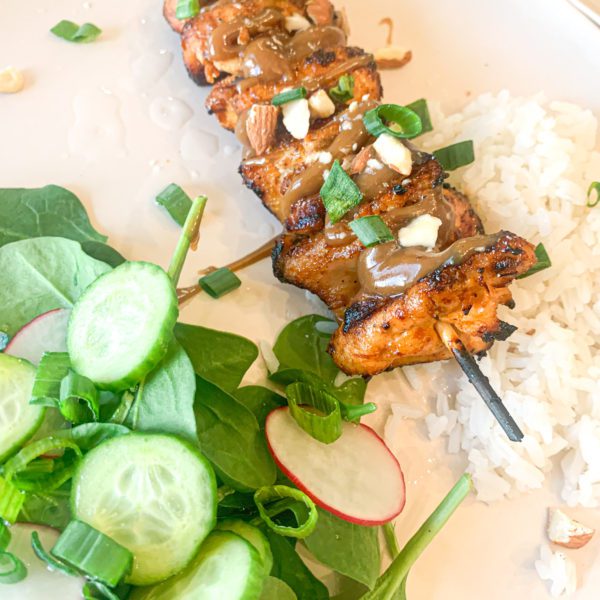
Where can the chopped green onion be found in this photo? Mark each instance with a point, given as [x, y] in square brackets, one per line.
[594, 186]
[52, 369]
[404, 122]
[344, 90]
[53, 563]
[186, 9]
[12, 569]
[78, 399]
[353, 412]
[176, 201]
[123, 409]
[189, 235]
[289, 96]
[322, 420]
[11, 501]
[283, 497]
[4, 536]
[21, 460]
[67, 30]
[219, 282]
[371, 230]
[456, 155]
[421, 108]
[339, 193]
[543, 262]
[389, 584]
[94, 590]
[4, 339]
[94, 554]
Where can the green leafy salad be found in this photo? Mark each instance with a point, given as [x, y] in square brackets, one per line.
[134, 462]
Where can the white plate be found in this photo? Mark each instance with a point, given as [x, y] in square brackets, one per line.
[84, 121]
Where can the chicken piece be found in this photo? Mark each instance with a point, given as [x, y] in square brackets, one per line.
[328, 268]
[319, 70]
[381, 333]
[235, 24]
[272, 175]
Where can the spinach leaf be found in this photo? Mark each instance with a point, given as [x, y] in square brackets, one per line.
[301, 349]
[276, 589]
[349, 549]
[260, 400]
[237, 506]
[231, 439]
[89, 435]
[47, 211]
[165, 399]
[41, 274]
[289, 567]
[48, 508]
[103, 252]
[220, 357]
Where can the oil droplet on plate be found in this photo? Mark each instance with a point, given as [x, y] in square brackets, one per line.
[170, 113]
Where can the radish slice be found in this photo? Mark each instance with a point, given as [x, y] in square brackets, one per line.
[40, 583]
[356, 477]
[46, 333]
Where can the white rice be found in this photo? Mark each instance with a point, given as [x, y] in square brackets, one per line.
[534, 162]
[559, 570]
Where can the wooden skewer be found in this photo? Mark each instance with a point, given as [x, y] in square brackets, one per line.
[481, 383]
[185, 294]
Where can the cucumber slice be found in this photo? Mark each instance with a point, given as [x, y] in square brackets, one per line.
[121, 326]
[154, 494]
[226, 568]
[19, 420]
[254, 536]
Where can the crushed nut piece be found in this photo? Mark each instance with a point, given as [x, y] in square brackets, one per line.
[392, 57]
[320, 12]
[566, 532]
[321, 105]
[361, 159]
[243, 36]
[11, 81]
[261, 126]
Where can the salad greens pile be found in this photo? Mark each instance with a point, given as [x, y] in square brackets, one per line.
[166, 484]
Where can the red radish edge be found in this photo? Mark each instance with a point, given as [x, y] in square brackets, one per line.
[24, 330]
[323, 504]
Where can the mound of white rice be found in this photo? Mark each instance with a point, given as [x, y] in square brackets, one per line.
[534, 162]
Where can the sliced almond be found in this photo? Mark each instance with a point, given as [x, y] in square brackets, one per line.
[320, 12]
[296, 117]
[261, 126]
[392, 57]
[359, 162]
[393, 153]
[296, 22]
[566, 532]
[320, 104]
[11, 81]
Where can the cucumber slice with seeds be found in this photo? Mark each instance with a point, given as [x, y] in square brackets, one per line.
[226, 568]
[19, 420]
[152, 493]
[121, 326]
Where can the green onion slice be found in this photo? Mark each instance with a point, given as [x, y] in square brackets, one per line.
[339, 193]
[594, 187]
[344, 90]
[403, 122]
[371, 230]
[94, 554]
[280, 499]
[52, 369]
[67, 30]
[94, 590]
[315, 410]
[420, 107]
[78, 399]
[543, 262]
[176, 201]
[353, 412]
[220, 282]
[32, 451]
[11, 501]
[186, 9]
[289, 96]
[4, 537]
[53, 563]
[12, 569]
[456, 155]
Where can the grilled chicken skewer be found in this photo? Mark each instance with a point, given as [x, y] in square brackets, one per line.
[392, 299]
